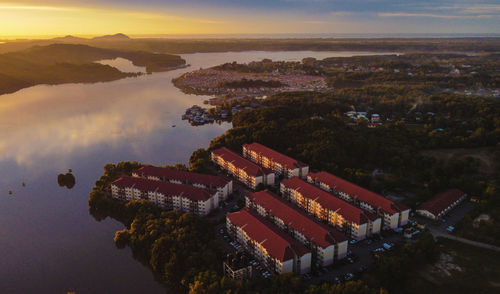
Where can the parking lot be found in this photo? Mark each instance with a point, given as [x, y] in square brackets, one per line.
[360, 256]
[359, 259]
[450, 219]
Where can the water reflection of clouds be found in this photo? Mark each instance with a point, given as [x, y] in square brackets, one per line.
[96, 114]
[123, 65]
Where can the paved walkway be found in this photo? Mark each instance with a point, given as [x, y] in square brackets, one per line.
[466, 241]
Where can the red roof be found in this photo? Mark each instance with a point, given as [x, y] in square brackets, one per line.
[249, 167]
[277, 244]
[315, 232]
[184, 177]
[357, 192]
[275, 156]
[348, 211]
[168, 189]
[441, 201]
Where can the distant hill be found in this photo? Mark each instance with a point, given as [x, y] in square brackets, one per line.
[69, 39]
[115, 37]
[71, 63]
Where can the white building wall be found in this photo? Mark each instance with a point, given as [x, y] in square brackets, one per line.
[342, 250]
[404, 217]
[328, 254]
[359, 232]
[305, 263]
[270, 179]
[394, 221]
[286, 267]
[304, 171]
[376, 226]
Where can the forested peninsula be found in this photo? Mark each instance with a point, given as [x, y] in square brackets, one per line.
[67, 63]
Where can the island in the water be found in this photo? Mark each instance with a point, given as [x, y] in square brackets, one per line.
[66, 180]
[72, 63]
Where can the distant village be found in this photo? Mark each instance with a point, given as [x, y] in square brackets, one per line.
[218, 82]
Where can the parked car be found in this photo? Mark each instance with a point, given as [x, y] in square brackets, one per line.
[352, 242]
[450, 228]
[349, 276]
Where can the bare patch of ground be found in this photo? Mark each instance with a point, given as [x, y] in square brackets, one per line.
[444, 267]
[483, 155]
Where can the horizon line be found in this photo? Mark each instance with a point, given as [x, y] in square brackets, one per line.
[261, 35]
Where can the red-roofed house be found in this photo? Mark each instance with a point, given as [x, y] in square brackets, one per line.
[279, 252]
[393, 215]
[277, 162]
[223, 185]
[440, 204]
[328, 243]
[166, 195]
[355, 222]
[242, 169]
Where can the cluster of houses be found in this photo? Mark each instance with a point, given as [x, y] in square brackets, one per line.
[213, 82]
[310, 223]
[356, 115]
[197, 115]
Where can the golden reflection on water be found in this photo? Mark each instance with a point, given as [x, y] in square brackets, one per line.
[47, 120]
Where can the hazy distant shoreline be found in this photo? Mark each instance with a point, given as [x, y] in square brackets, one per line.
[278, 36]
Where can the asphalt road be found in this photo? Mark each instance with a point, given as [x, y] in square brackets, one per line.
[439, 228]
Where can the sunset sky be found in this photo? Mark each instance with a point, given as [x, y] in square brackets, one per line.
[149, 17]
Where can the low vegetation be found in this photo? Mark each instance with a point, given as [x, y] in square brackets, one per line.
[66, 180]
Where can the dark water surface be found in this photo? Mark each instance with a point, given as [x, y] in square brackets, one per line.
[48, 241]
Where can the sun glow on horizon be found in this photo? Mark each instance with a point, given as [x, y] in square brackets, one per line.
[39, 20]
[50, 18]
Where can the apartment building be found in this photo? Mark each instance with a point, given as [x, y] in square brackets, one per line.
[353, 221]
[326, 243]
[275, 161]
[222, 185]
[166, 195]
[242, 169]
[237, 267]
[392, 214]
[441, 204]
[276, 250]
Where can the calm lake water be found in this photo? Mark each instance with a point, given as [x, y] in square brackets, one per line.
[48, 241]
